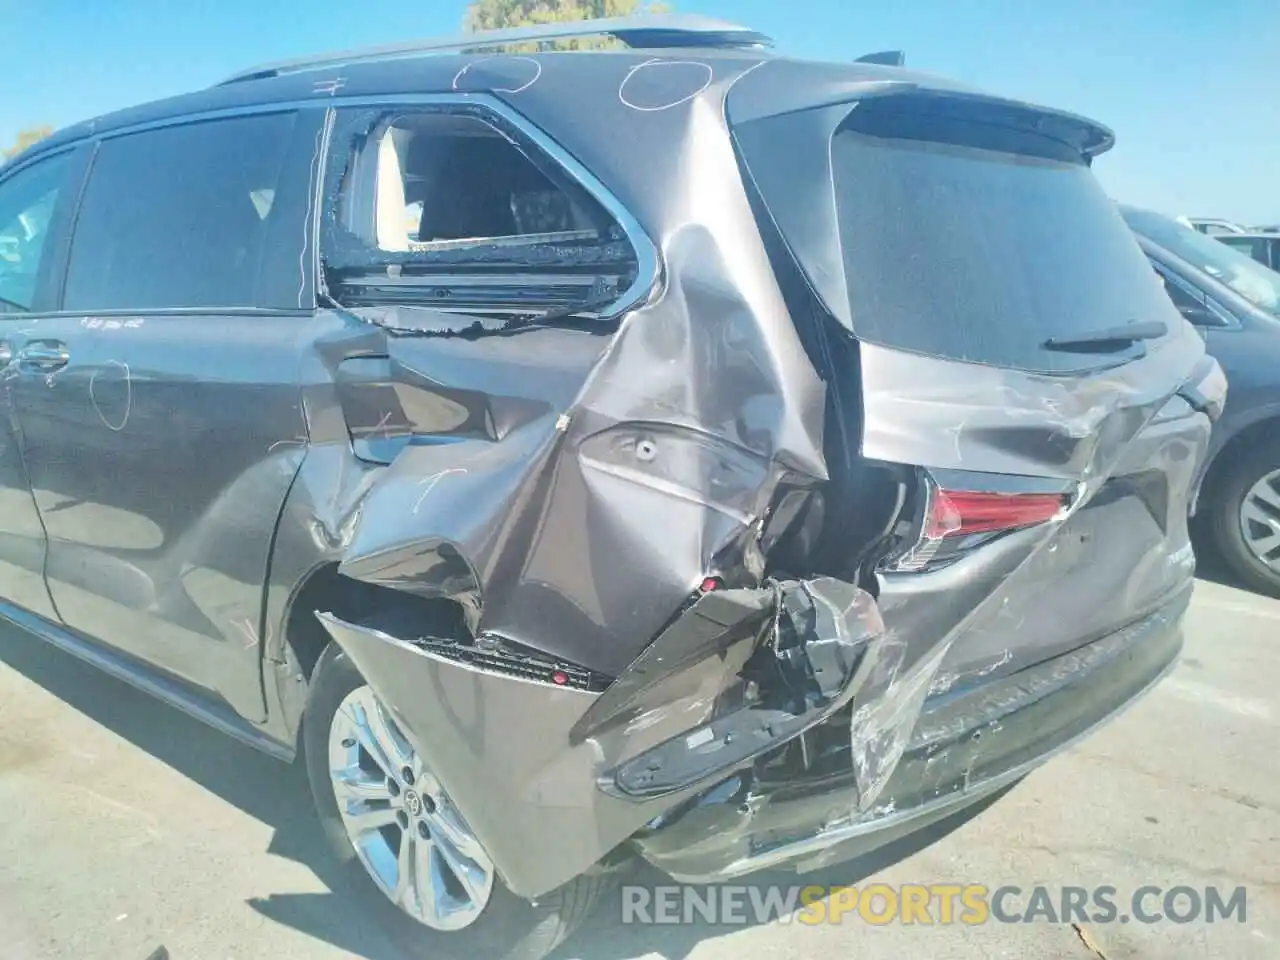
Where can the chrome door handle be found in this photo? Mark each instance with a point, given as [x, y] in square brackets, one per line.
[47, 355]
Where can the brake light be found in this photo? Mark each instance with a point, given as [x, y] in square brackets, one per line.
[958, 513]
[957, 521]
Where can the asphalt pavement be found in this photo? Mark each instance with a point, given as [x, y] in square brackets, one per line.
[126, 827]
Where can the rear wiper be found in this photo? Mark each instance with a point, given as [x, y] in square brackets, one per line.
[1110, 338]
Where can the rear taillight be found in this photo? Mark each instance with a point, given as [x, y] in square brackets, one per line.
[958, 521]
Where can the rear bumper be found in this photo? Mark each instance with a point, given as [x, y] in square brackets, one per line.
[967, 745]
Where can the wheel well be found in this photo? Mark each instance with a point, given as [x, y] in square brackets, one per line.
[324, 589]
[1247, 440]
[359, 602]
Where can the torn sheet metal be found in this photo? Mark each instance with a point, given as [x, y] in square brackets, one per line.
[546, 803]
[573, 487]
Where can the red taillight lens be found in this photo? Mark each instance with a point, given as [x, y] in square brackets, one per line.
[958, 521]
[959, 513]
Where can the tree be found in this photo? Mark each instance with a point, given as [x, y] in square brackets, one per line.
[26, 138]
[499, 14]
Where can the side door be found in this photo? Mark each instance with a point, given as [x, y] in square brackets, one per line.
[33, 202]
[159, 408]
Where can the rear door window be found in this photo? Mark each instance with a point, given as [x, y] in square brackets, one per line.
[187, 217]
[27, 201]
[451, 211]
[965, 241]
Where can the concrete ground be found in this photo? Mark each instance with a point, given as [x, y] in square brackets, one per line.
[125, 826]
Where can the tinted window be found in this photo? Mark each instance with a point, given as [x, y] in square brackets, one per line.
[27, 200]
[1244, 275]
[182, 217]
[983, 254]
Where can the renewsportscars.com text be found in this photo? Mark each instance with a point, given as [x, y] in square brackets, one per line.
[880, 904]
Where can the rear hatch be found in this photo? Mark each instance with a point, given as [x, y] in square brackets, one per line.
[1017, 360]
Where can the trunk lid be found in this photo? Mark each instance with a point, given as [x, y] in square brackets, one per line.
[1011, 341]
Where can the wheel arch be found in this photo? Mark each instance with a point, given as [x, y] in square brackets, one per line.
[302, 639]
[1263, 426]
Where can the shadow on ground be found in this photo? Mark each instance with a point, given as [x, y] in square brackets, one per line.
[277, 795]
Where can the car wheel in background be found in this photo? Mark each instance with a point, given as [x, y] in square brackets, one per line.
[1244, 518]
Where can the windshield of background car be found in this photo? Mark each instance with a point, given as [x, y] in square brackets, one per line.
[974, 242]
[1246, 276]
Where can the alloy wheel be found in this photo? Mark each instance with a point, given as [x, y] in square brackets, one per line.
[409, 836]
[1260, 520]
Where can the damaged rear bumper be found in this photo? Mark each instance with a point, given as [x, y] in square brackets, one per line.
[966, 746]
[674, 756]
[552, 775]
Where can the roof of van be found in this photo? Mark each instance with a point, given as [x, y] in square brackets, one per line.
[701, 54]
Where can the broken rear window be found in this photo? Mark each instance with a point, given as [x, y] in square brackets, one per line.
[448, 210]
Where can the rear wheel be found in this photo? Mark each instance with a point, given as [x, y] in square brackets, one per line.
[1245, 518]
[406, 849]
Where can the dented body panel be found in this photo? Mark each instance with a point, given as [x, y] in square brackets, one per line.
[571, 490]
[633, 578]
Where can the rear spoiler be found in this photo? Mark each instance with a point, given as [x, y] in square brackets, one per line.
[769, 92]
[884, 58]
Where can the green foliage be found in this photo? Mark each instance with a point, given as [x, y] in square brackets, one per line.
[26, 138]
[500, 14]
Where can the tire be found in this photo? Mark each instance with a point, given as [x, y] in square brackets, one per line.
[1226, 501]
[508, 927]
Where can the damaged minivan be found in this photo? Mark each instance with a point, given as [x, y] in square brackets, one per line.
[672, 452]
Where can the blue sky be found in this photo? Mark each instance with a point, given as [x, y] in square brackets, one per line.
[1192, 87]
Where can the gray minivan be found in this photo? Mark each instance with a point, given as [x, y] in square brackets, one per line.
[679, 452]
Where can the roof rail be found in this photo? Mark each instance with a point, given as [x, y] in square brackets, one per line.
[642, 32]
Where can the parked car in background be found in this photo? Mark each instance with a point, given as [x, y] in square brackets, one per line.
[1263, 247]
[1235, 301]
[685, 484]
[1211, 225]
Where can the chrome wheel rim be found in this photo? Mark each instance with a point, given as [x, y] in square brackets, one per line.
[406, 832]
[1260, 520]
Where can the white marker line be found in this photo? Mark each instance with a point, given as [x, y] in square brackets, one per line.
[128, 397]
[431, 482]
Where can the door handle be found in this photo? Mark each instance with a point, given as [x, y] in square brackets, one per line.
[46, 354]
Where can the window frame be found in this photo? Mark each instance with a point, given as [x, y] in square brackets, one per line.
[53, 259]
[484, 106]
[301, 111]
[508, 121]
[1227, 320]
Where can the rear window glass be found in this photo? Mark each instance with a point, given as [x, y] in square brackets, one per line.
[956, 250]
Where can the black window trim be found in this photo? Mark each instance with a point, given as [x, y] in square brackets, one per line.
[89, 145]
[1229, 320]
[648, 271]
[488, 108]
